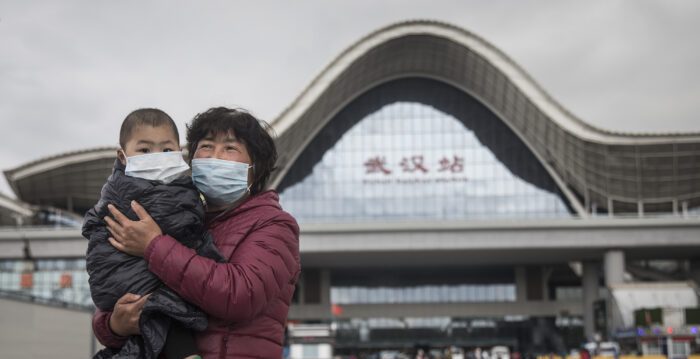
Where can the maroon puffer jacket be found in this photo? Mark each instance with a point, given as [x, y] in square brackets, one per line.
[248, 298]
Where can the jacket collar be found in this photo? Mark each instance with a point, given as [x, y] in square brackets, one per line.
[118, 166]
[265, 198]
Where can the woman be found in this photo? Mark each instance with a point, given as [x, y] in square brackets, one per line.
[247, 299]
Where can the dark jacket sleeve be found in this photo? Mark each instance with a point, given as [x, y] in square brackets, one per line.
[262, 264]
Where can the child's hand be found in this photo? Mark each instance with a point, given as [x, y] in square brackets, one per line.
[132, 237]
[125, 317]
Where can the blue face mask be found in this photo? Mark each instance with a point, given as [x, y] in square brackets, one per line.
[222, 182]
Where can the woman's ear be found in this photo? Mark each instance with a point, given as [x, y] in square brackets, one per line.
[121, 156]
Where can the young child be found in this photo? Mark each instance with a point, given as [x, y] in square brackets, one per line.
[150, 170]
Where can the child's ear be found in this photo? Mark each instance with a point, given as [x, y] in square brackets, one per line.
[121, 156]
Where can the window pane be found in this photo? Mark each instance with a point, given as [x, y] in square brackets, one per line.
[409, 161]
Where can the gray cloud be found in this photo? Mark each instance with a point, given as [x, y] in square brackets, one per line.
[70, 71]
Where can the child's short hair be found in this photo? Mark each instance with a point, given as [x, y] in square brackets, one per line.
[145, 116]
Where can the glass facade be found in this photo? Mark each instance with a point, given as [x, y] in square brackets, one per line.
[409, 160]
[520, 333]
[460, 293]
[64, 281]
[44, 217]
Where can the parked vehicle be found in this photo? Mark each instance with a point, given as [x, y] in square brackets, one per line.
[500, 352]
[604, 349]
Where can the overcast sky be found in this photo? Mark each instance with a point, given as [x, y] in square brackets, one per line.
[71, 70]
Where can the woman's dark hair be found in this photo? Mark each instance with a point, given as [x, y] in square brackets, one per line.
[253, 133]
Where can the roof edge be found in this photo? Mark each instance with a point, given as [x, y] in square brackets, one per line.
[533, 90]
[51, 162]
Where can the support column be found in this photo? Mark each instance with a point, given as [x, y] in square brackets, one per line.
[311, 286]
[301, 290]
[536, 287]
[325, 286]
[546, 275]
[589, 287]
[695, 271]
[614, 262]
[520, 284]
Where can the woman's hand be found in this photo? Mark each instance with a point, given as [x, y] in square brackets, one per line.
[132, 237]
[127, 312]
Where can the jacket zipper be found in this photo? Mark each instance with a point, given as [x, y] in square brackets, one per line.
[224, 343]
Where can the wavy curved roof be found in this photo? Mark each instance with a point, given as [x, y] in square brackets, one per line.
[628, 172]
[593, 167]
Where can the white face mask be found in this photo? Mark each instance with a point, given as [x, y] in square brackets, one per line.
[159, 166]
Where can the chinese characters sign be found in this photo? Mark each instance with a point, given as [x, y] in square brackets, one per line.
[414, 169]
